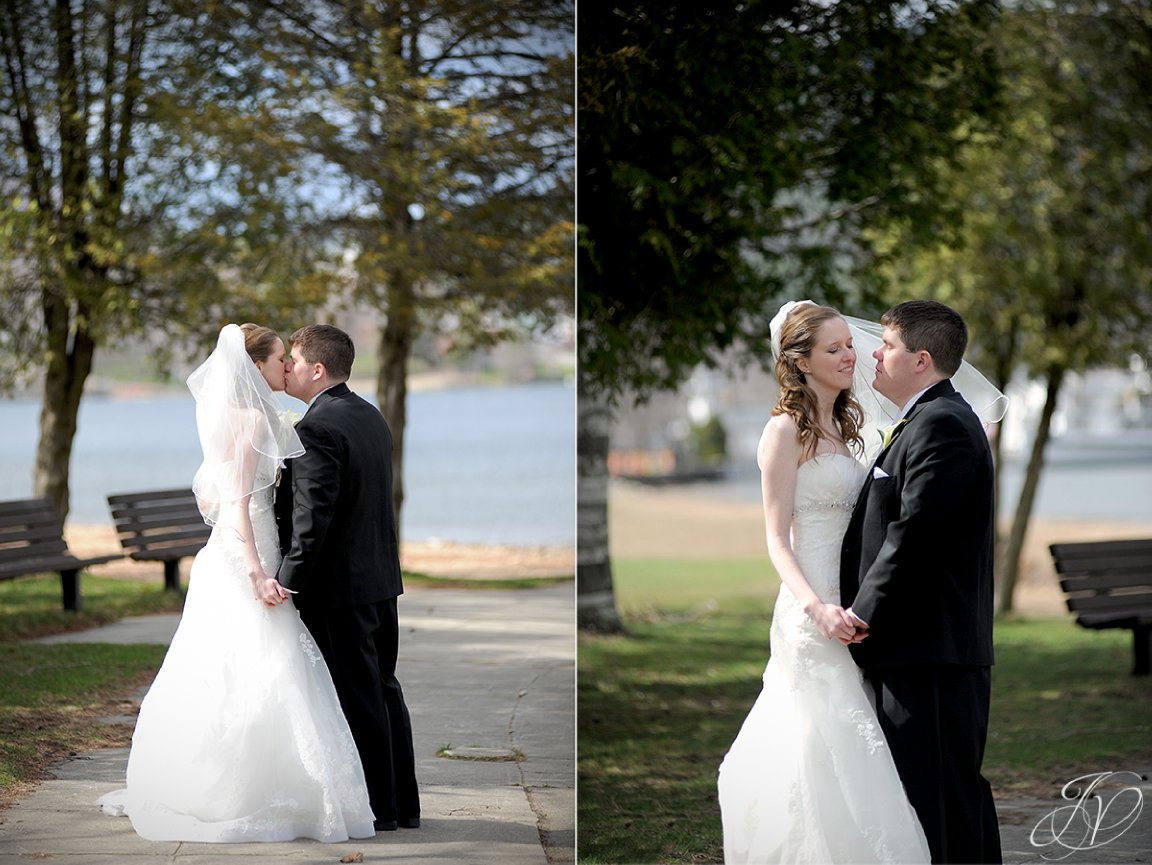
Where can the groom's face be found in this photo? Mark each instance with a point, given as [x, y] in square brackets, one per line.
[897, 369]
[300, 376]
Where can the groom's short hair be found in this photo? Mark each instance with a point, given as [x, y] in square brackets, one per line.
[323, 343]
[928, 325]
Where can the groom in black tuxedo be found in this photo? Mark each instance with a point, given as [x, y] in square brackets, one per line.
[338, 535]
[916, 573]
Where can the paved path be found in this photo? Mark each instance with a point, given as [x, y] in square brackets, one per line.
[480, 668]
[1112, 826]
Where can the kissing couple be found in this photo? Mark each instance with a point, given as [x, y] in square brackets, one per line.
[277, 713]
[866, 742]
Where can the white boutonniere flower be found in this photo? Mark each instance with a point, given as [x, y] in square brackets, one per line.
[889, 432]
[289, 417]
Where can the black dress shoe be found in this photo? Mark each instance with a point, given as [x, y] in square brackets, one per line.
[409, 822]
[384, 825]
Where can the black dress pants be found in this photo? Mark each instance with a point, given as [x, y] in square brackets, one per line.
[359, 644]
[935, 718]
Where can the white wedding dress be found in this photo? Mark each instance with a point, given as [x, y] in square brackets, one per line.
[241, 736]
[810, 777]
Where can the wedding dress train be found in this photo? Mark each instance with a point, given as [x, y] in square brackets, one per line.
[810, 778]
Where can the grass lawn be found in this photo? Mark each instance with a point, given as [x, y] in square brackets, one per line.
[659, 707]
[52, 696]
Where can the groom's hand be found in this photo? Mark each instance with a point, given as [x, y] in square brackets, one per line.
[859, 624]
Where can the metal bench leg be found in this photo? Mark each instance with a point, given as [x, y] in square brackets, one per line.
[1142, 649]
[70, 586]
[172, 575]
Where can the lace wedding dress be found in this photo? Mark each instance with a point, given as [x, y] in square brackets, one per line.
[810, 777]
[241, 736]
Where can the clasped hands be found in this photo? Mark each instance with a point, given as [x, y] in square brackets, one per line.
[837, 623]
[267, 590]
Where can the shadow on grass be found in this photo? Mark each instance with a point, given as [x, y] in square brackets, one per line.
[658, 709]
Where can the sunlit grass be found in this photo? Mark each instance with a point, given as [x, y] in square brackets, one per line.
[30, 607]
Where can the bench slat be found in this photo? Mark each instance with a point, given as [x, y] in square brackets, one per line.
[44, 564]
[179, 494]
[166, 554]
[1103, 583]
[183, 510]
[1111, 602]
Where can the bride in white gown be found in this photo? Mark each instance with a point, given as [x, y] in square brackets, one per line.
[810, 778]
[241, 736]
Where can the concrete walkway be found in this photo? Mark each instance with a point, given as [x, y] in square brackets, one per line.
[1104, 822]
[486, 672]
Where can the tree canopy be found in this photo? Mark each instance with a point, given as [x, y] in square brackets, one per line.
[731, 153]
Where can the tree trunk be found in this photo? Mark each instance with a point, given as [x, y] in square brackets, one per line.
[595, 598]
[396, 338]
[70, 349]
[1010, 564]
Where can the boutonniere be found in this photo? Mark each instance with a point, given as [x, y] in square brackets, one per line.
[889, 432]
[289, 417]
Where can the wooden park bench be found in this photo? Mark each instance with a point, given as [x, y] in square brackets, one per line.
[1109, 585]
[32, 542]
[160, 526]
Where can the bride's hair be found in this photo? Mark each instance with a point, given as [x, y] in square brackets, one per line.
[797, 400]
[259, 341]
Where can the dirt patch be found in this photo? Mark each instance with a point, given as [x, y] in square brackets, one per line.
[477, 561]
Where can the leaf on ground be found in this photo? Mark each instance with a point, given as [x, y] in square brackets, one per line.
[353, 857]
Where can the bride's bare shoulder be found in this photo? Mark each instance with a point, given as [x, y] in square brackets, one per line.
[780, 438]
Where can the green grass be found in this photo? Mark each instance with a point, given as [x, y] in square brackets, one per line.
[659, 707]
[30, 607]
[415, 578]
[52, 696]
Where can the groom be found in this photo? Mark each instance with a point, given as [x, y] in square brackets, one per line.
[338, 534]
[916, 573]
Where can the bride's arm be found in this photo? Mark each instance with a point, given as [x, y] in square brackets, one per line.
[264, 585]
[778, 456]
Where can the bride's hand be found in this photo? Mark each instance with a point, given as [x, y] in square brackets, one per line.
[833, 622]
[266, 589]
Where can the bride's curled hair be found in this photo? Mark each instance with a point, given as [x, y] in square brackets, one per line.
[797, 338]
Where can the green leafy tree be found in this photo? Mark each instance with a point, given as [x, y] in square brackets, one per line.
[69, 123]
[443, 134]
[1053, 263]
[117, 217]
[731, 154]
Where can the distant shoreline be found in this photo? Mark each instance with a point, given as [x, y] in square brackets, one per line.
[118, 389]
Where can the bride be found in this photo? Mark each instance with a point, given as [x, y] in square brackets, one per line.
[241, 736]
[810, 777]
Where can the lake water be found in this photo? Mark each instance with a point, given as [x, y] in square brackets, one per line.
[1083, 479]
[482, 465]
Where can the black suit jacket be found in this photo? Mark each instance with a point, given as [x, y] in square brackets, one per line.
[334, 507]
[917, 559]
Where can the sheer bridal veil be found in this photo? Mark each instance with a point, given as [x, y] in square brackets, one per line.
[244, 440]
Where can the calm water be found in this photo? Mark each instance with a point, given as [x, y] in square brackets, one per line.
[482, 465]
[1081, 481]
